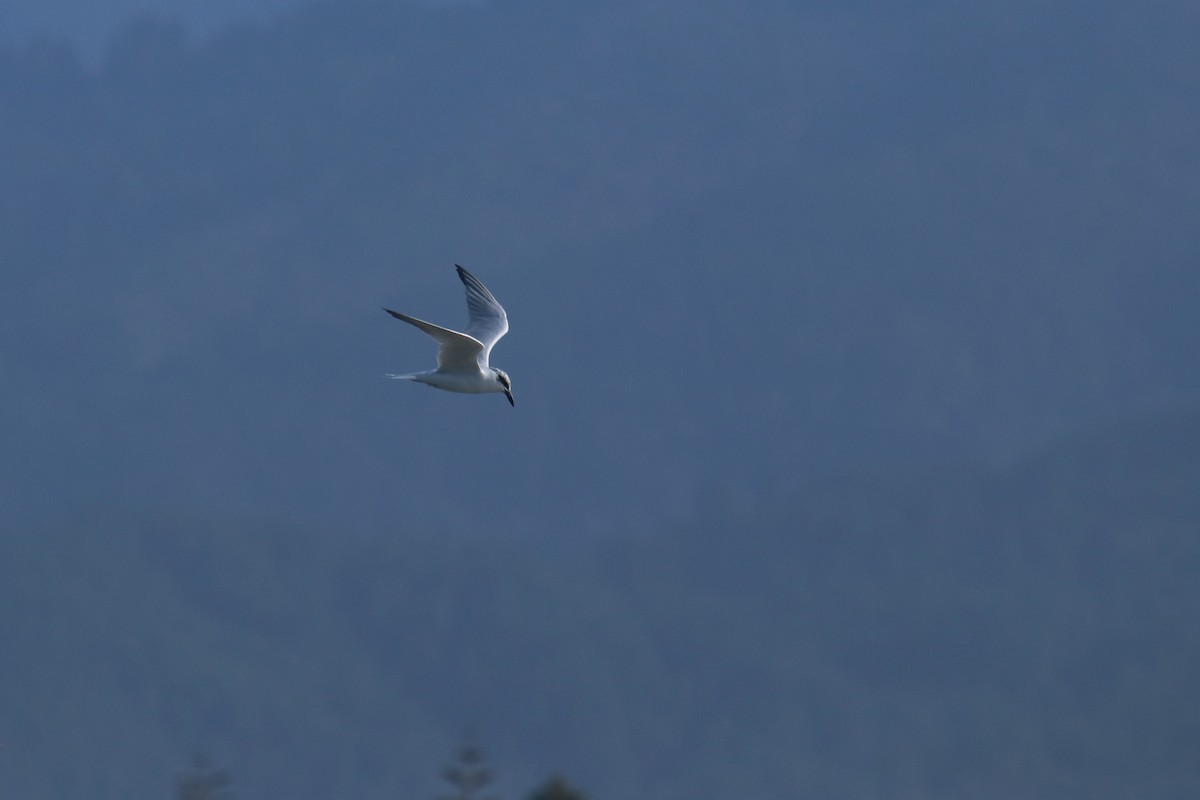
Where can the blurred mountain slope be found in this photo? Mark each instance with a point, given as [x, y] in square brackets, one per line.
[1023, 631]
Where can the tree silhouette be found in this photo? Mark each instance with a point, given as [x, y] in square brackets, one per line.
[467, 774]
[557, 789]
[203, 782]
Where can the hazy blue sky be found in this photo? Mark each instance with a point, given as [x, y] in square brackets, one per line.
[906, 205]
[90, 22]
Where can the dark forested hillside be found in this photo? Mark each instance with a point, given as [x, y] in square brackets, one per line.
[1022, 632]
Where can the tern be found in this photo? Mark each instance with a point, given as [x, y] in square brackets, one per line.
[462, 358]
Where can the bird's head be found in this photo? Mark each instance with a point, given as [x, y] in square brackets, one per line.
[505, 385]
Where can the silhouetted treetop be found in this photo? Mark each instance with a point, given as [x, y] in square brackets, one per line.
[557, 789]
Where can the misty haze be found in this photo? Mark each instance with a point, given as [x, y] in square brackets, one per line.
[856, 446]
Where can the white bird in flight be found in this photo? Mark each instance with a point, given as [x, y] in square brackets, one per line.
[463, 357]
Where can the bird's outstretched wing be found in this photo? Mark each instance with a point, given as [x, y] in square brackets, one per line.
[487, 321]
[457, 352]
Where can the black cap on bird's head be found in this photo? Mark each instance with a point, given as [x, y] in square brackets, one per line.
[505, 384]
